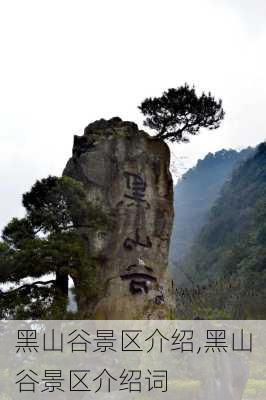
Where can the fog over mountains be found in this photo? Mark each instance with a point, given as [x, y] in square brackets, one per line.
[218, 244]
[195, 194]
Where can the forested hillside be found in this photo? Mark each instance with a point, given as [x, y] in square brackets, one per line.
[196, 193]
[226, 267]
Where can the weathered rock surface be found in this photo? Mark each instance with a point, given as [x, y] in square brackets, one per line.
[126, 173]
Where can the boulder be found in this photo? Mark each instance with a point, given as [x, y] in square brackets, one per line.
[125, 172]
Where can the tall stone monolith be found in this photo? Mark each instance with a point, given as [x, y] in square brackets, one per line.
[126, 173]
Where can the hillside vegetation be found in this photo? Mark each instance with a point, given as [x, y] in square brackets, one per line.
[226, 268]
[196, 193]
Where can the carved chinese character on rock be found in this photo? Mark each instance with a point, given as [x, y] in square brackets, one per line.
[141, 278]
[131, 243]
[136, 186]
[126, 174]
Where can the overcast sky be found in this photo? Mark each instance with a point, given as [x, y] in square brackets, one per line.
[66, 63]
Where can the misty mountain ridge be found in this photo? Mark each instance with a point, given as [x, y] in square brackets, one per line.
[224, 273]
[195, 194]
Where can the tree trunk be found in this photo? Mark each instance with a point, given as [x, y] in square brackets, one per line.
[61, 283]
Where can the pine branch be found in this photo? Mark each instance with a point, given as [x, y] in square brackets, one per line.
[26, 285]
